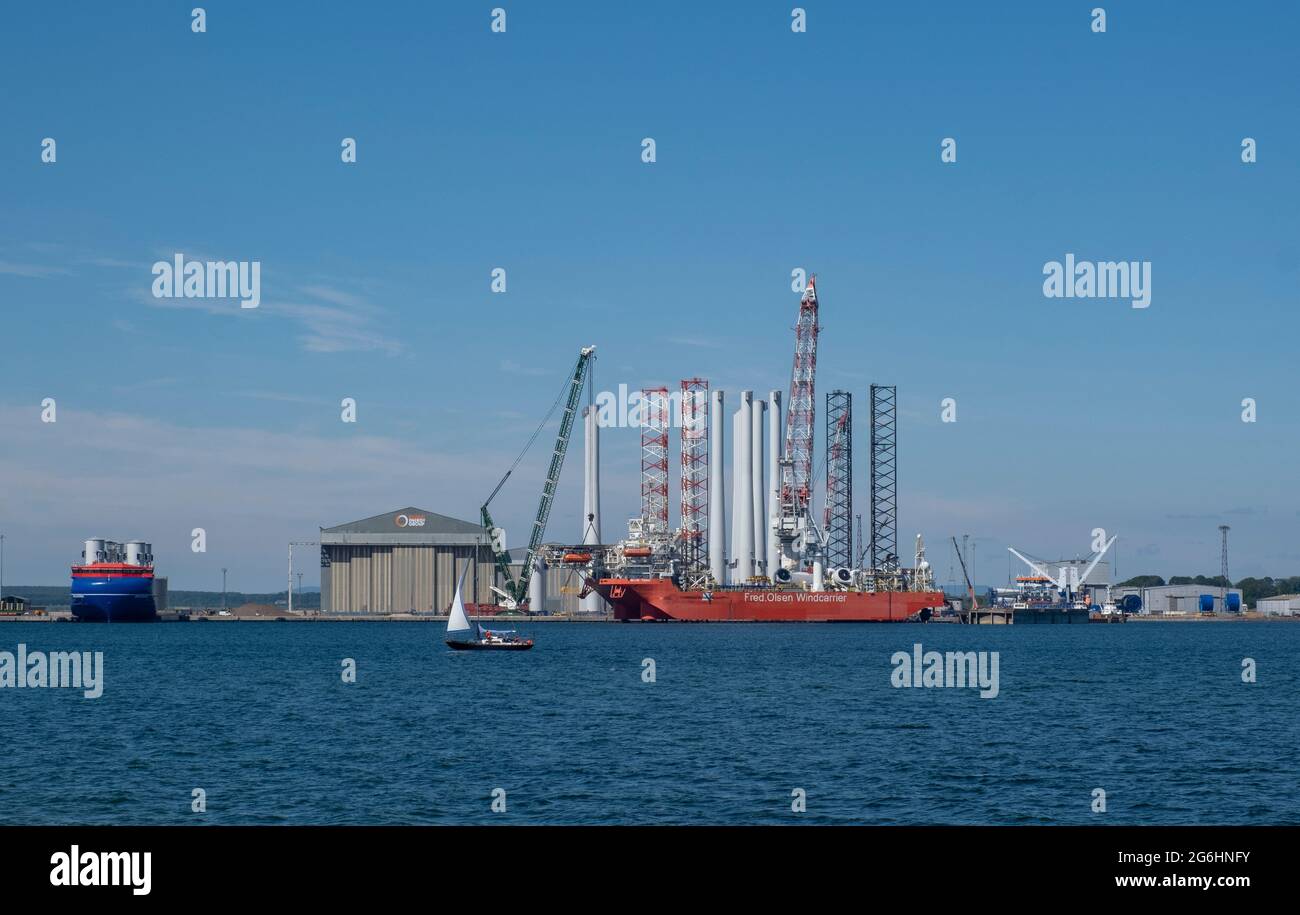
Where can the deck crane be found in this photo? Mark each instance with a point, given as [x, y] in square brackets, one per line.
[794, 524]
[970, 588]
[515, 593]
[1069, 581]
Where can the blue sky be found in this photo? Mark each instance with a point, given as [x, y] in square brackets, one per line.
[522, 150]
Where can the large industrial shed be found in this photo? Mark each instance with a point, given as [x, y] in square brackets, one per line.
[1179, 599]
[404, 561]
[1279, 605]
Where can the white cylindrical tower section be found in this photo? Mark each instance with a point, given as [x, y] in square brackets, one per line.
[593, 602]
[537, 587]
[591, 477]
[734, 543]
[773, 481]
[96, 550]
[138, 553]
[717, 494]
[758, 485]
[743, 489]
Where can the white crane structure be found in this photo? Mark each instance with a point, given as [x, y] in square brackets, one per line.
[1068, 581]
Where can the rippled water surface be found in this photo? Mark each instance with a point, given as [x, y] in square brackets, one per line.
[257, 715]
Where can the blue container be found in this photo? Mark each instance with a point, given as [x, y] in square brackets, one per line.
[1234, 602]
[1207, 603]
[1131, 603]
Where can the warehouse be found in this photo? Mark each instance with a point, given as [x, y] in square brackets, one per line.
[1279, 605]
[1182, 600]
[404, 561]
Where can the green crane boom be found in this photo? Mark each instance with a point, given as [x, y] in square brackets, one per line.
[516, 592]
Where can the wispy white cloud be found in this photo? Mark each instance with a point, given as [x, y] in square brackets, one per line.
[511, 367]
[331, 329]
[281, 397]
[251, 489]
[128, 387]
[333, 294]
[700, 342]
[97, 261]
[31, 271]
[330, 319]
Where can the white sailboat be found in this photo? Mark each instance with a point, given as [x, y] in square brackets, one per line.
[463, 634]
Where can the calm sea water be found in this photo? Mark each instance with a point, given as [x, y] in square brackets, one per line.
[257, 715]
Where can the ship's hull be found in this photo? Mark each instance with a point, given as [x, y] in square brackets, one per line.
[112, 596]
[489, 646]
[661, 599]
[1022, 615]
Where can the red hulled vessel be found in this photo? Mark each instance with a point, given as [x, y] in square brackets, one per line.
[662, 599]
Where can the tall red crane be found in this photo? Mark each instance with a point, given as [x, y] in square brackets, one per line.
[800, 418]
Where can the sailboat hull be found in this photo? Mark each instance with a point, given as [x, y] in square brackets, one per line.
[457, 645]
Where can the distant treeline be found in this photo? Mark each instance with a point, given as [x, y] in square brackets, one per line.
[46, 596]
[1252, 589]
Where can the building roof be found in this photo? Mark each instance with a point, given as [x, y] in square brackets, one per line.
[1281, 597]
[406, 525]
[1180, 590]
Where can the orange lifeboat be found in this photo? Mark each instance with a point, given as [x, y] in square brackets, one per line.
[636, 551]
[577, 557]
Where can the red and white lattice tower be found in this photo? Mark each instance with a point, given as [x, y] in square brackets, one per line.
[801, 415]
[695, 472]
[654, 459]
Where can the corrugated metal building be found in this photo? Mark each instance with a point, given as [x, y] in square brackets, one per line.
[1279, 605]
[1178, 599]
[404, 561]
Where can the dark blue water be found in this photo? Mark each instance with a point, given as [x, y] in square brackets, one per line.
[258, 716]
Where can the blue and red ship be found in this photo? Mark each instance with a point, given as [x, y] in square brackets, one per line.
[115, 583]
